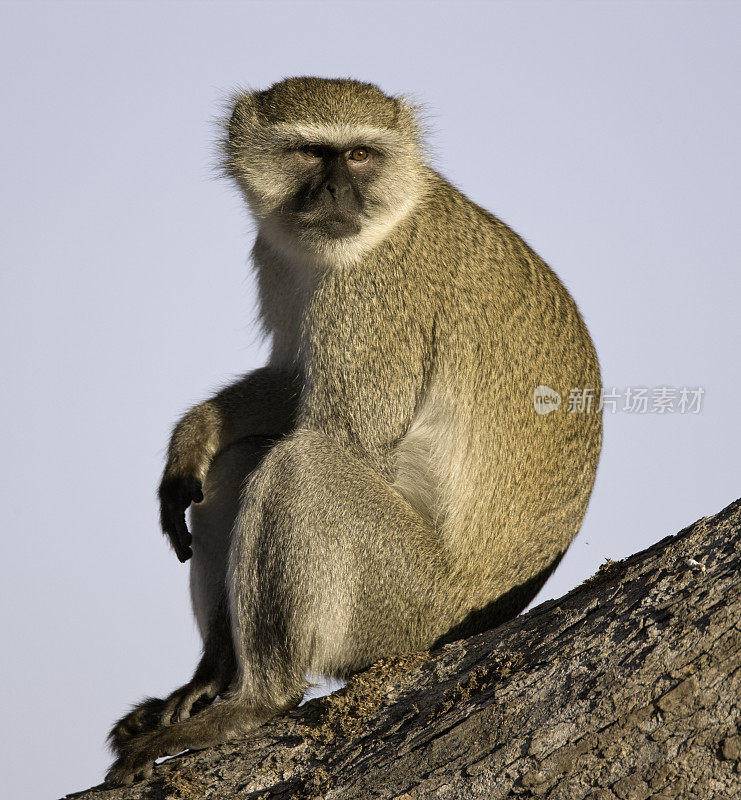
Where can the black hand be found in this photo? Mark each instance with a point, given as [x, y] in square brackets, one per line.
[176, 494]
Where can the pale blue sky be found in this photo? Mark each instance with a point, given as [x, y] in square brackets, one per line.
[606, 134]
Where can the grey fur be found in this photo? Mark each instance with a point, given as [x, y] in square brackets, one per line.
[398, 488]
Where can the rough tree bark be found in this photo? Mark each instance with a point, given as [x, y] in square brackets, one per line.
[627, 687]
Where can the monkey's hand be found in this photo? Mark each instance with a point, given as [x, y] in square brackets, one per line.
[176, 494]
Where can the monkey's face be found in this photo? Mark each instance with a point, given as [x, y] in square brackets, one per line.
[322, 188]
[333, 189]
[328, 166]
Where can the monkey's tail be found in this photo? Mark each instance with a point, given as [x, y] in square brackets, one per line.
[224, 720]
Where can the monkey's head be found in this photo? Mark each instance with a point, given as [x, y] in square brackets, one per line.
[330, 165]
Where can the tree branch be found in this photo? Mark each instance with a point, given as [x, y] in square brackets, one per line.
[627, 687]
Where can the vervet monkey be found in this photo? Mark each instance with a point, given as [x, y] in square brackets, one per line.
[384, 484]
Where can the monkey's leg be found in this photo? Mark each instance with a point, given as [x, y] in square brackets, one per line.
[330, 569]
[212, 520]
[211, 524]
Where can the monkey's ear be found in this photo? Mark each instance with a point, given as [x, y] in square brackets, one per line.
[243, 116]
[238, 126]
[409, 118]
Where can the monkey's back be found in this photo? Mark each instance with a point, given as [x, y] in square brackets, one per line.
[506, 487]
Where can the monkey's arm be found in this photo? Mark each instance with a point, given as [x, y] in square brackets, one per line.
[262, 404]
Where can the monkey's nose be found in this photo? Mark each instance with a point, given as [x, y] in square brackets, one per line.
[338, 189]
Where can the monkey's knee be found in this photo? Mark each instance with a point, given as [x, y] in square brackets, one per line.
[280, 587]
[305, 469]
[313, 523]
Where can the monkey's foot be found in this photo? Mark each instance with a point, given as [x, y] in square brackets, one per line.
[145, 717]
[228, 719]
[189, 699]
[154, 713]
[132, 766]
[136, 759]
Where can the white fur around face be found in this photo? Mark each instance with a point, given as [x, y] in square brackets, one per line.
[320, 253]
[268, 182]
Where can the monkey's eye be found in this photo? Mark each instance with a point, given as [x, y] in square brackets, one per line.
[312, 151]
[358, 154]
